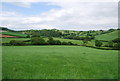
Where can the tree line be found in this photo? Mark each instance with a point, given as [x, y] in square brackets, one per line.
[39, 41]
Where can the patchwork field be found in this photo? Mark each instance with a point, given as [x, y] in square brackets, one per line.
[13, 34]
[108, 36]
[79, 42]
[7, 40]
[58, 62]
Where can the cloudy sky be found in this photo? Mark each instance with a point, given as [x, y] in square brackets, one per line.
[59, 14]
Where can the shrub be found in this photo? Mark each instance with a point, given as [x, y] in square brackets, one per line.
[117, 45]
[70, 43]
[17, 43]
[117, 40]
[110, 44]
[57, 42]
[64, 43]
[38, 41]
[98, 43]
[51, 41]
[84, 42]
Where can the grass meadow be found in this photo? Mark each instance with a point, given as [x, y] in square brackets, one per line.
[59, 62]
[108, 36]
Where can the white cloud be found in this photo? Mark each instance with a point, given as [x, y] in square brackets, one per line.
[72, 15]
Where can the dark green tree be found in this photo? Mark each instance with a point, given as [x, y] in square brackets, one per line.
[51, 41]
[98, 43]
[57, 42]
[84, 42]
[110, 44]
[38, 41]
[117, 45]
[17, 43]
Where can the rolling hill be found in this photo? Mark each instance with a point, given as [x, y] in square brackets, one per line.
[108, 36]
[10, 33]
[13, 34]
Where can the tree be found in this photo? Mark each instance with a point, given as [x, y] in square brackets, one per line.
[51, 41]
[28, 36]
[12, 42]
[117, 40]
[38, 41]
[117, 45]
[70, 43]
[17, 43]
[98, 43]
[64, 43]
[110, 44]
[84, 41]
[57, 42]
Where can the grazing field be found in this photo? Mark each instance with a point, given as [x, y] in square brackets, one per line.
[7, 40]
[108, 36]
[0, 62]
[13, 34]
[59, 62]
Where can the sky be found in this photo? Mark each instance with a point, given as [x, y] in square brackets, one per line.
[59, 14]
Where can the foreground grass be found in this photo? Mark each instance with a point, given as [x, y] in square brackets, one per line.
[58, 62]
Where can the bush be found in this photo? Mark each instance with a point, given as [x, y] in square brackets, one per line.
[98, 43]
[110, 44]
[117, 40]
[51, 41]
[57, 42]
[64, 43]
[70, 43]
[117, 45]
[17, 43]
[38, 41]
[84, 42]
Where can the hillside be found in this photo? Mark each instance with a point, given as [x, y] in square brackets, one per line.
[13, 34]
[108, 36]
[6, 29]
[5, 32]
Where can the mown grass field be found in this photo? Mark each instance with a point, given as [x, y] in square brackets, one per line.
[59, 62]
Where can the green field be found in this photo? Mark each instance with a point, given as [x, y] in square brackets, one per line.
[108, 36]
[59, 62]
[79, 42]
[7, 40]
[13, 34]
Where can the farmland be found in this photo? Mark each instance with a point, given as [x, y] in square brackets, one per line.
[59, 62]
[59, 54]
[13, 34]
[108, 36]
[7, 40]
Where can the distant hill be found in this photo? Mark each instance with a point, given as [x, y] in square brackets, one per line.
[6, 31]
[13, 34]
[105, 35]
[108, 36]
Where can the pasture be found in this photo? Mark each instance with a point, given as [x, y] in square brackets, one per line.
[13, 34]
[108, 36]
[58, 62]
[7, 40]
